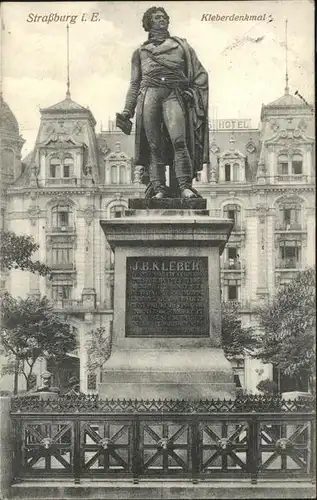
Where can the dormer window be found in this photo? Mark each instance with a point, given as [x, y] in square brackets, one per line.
[68, 166]
[227, 172]
[54, 167]
[297, 165]
[232, 167]
[118, 174]
[289, 167]
[60, 169]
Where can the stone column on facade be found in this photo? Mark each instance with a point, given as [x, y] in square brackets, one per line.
[261, 178]
[34, 211]
[262, 289]
[89, 292]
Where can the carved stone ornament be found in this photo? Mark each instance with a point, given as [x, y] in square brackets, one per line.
[89, 214]
[303, 125]
[34, 212]
[214, 148]
[274, 125]
[138, 174]
[250, 147]
[262, 210]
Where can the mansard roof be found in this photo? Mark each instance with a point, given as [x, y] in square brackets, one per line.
[287, 100]
[8, 121]
[68, 106]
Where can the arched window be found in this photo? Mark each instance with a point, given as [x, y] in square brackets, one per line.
[233, 211]
[289, 215]
[68, 166]
[62, 216]
[54, 167]
[117, 211]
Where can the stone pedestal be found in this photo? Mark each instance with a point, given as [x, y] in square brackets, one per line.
[167, 311]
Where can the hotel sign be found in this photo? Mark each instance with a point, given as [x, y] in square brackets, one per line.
[230, 124]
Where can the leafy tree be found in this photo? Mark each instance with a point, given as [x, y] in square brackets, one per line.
[236, 340]
[16, 253]
[30, 329]
[98, 348]
[267, 386]
[289, 323]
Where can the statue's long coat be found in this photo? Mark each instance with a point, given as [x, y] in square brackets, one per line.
[197, 130]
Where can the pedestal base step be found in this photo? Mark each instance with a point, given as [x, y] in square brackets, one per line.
[173, 203]
[189, 374]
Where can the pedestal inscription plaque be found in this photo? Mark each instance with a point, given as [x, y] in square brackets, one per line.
[167, 297]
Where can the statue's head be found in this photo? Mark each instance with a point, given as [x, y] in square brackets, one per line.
[155, 18]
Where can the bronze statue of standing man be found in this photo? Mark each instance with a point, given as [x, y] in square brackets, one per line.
[169, 93]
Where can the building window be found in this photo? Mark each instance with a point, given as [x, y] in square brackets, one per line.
[61, 292]
[297, 165]
[290, 166]
[282, 165]
[232, 292]
[227, 172]
[62, 254]
[235, 172]
[290, 254]
[233, 212]
[68, 166]
[91, 382]
[61, 216]
[290, 217]
[55, 167]
[231, 289]
[114, 174]
[117, 211]
[232, 252]
[122, 175]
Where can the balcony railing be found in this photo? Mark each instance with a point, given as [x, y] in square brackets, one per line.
[63, 266]
[290, 263]
[62, 181]
[61, 229]
[228, 265]
[292, 178]
[67, 304]
[289, 226]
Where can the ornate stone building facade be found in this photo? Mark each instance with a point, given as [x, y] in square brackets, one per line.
[262, 178]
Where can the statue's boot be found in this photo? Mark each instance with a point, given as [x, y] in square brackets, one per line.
[156, 190]
[188, 193]
[186, 189]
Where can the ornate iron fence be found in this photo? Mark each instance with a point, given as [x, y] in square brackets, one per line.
[90, 438]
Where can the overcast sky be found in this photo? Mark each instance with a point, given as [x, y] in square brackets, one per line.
[245, 59]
